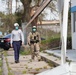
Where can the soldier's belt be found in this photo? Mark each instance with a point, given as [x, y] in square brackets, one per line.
[35, 41]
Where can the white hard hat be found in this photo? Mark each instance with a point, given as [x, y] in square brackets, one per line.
[34, 26]
[16, 24]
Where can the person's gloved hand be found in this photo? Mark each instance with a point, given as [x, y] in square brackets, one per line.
[29, 44]
[22, 43]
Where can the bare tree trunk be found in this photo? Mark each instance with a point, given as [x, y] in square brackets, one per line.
[27, 11]
[26, 15]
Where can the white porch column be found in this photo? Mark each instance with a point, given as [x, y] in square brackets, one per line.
[64, 31]
[60, 4]
[72, 30]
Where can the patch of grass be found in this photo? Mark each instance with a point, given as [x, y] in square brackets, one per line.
[0, 71]
[9, 73]
[31, 68]
[24, 52]
[56, 59]
[59, 58]
[51, 54]
[51, 42]
[50, 64]
[0, 63]
[45, 67]
[24, 72]
[9, 69]
[54, 42]
[50, 39]
[37, 69]
[26, 67]
[69, 61]
[30, 60]
[5, 53]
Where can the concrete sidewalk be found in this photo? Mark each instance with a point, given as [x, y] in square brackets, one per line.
[26, 66]
[65, 69]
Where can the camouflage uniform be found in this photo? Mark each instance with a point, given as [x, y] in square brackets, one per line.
[34, 40]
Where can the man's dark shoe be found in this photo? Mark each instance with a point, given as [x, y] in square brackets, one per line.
[16, 61]
[39, 59]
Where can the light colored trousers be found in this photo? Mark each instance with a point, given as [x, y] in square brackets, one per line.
[35, 49]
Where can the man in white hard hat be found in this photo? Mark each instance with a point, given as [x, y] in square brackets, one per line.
[17, 39]
[34, 41]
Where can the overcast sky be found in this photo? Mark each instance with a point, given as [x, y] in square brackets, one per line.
[3, 8]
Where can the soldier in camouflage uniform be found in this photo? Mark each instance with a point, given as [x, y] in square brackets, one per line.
[34, 41]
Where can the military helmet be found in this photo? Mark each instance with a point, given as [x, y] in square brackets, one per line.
[34, 28]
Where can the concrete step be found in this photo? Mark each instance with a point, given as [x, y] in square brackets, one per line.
[50, 58]
[66, 69]
[60, 70]
[70, 54]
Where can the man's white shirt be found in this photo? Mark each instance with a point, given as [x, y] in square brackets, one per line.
[17, 35]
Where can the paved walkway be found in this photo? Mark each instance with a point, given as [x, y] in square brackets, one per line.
[70, 54]
[67, 68]
[26, 66]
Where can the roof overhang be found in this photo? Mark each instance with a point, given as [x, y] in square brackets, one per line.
[48, 22]
[73, 9]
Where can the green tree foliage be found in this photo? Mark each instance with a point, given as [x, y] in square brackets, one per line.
[1, 14]
[8, 21]
[18, 17]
